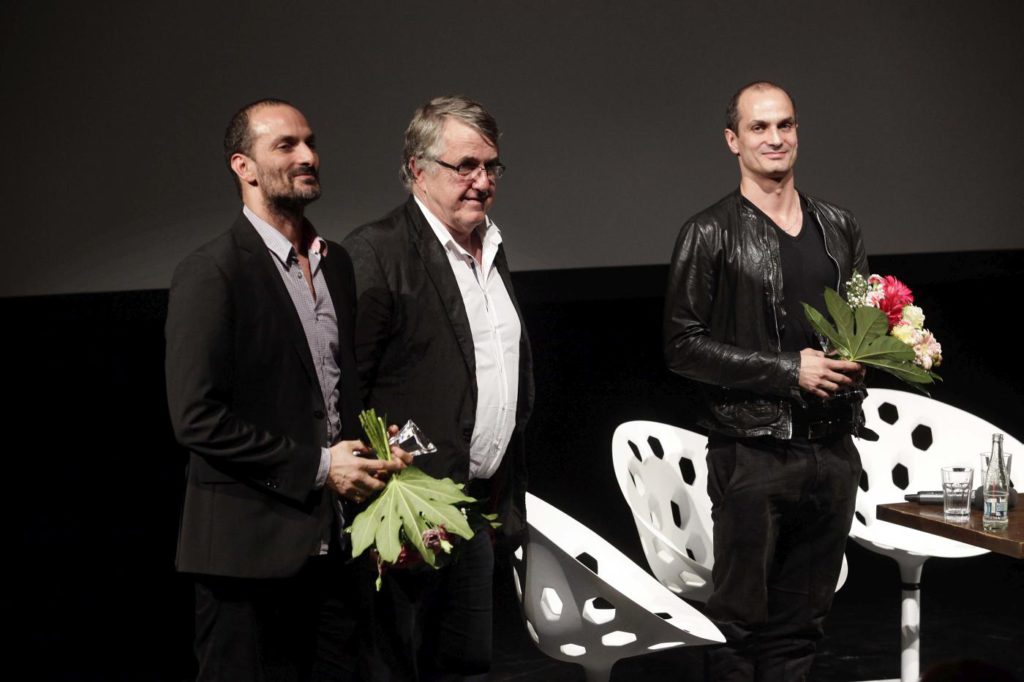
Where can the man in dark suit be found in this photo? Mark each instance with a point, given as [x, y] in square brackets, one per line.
[261, 385]
[440, 340]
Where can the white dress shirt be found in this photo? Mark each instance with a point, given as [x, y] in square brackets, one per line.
[496, 330]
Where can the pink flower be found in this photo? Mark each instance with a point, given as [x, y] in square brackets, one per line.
[436, 539]
[928, 350]
[897, 295]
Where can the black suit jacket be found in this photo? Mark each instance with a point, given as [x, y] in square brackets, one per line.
[245, 400]
[415, 353]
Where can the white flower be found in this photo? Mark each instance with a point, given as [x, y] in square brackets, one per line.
[913, 316]
[905, 333]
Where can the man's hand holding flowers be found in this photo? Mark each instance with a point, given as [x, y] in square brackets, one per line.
[822, 376]
[358, 478]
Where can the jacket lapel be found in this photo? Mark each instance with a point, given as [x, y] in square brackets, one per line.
[279, 301]
[526, 387]
[439, 270]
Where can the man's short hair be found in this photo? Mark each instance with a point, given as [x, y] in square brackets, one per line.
[423, 136]
[732, 114]
[238, 136]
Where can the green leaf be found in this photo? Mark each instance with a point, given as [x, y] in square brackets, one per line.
[389, 543]
[442, 490]
[364, 526]
[871, 323]
[909, 373]
[823, 327]
[841, 314]
[886, 347]
[412, 501]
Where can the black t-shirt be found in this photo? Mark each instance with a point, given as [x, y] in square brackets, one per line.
[806, 271]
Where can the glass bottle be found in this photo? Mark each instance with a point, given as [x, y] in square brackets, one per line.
[996, 488]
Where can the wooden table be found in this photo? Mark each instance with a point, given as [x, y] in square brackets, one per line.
[929, 518]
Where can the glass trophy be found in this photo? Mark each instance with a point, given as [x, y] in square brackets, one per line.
[411, 439]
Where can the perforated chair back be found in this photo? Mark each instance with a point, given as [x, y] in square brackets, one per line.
[662, 472]
[909, 439]
[663, 475]
[587, 603]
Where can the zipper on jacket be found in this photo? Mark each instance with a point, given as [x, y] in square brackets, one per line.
[824, 240]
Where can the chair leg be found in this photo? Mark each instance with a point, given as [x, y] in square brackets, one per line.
[910, 619]
[598, 674]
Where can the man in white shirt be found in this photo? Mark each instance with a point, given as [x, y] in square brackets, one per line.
[440, 340]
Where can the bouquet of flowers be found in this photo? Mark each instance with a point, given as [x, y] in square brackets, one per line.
[879, 326]
[414, 512]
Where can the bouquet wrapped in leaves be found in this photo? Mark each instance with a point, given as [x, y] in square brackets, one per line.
[414, 513]
[879, 326]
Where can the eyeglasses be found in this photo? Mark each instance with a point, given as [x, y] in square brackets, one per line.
[468, 169]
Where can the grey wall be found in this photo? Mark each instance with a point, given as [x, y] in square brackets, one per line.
[113, 115]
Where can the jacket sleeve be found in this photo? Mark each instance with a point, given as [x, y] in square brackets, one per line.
[690, 303]
[200, 369]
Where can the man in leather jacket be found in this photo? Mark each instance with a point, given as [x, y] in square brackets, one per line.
[783, 470]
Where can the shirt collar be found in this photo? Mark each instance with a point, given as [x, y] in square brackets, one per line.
[279, 245]
[490, 239]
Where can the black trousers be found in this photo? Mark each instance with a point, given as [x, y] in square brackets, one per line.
[436, 624]
[305, 627]
[781, 513]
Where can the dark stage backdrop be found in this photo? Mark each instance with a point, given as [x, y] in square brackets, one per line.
[612, 111]
[95, 479]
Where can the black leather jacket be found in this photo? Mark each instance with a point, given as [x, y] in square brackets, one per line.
[724, 312]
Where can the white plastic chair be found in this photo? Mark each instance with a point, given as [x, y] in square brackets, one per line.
[909, 439]
[585, 602]
[663, 474]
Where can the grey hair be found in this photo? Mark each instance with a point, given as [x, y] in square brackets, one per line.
[423, 136]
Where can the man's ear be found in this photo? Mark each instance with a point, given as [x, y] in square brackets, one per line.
[243, 167]
[730, 140]
[416, 168]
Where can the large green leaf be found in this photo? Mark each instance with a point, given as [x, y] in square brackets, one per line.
[414, 502]
[841, 314]
[897, 358]
[823, 327]
[885, 347]
[871, 323]
[907, 372]
[363, 529]
[387, 538]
